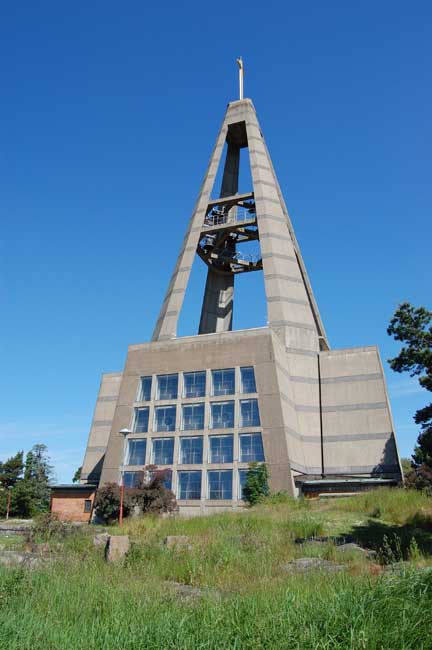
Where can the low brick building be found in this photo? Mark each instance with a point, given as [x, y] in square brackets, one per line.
[73, 502]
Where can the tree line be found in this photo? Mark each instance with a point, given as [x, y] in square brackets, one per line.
[25, 484]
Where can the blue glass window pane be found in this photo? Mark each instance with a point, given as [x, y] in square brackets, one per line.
[242, 481]
[221, 449]
[136, 452]
[222, 415]
[223, 381]
[191, 450]
[220, 484]
[249, 412]
[145, 390]
[248, 380]
[141, 420]
[132, 479]
[163, 451]
[189, 485]
[251, 448]
[167, 386]
[193, 417]
[167, 478]
[165, 418]
[194, 384]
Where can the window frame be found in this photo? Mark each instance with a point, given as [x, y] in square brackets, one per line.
[158, 397]
[222, 403]
[128, 451]
[137, 410]
[219, 437]
[163, 440]
[252, 400]
[141, 396]
[184, 439]
[223, 370]
[219, 472]
[180, 473]
[159, 409]
[242, 390]
[192, 406]
[244, 436]
[194, 373]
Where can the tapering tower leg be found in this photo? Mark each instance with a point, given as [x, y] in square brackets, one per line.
[218, 302]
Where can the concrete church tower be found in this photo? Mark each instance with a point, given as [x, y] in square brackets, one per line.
[205, 406]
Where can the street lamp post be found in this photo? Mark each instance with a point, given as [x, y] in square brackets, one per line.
[124, 433]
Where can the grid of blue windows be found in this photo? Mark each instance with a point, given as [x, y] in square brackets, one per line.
[223, 381]
[189, 485]
[251, 448]
[165, 418]
[194, 384]
[132, 479]
[249, 413]
[191, 450]
[141, 420]
[248, 384]
[167, 386]
[221, 449]
[136, 451]
[222, 415]
[219, 484]
[144, 394]
[163, 451]
[192, 417]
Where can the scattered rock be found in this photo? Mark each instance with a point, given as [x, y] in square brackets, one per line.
[351, 547]
[116, 548]
[188, 592]
[40, 549]
[26, 559]
[101, 539]
[306, 564]
[178, 542]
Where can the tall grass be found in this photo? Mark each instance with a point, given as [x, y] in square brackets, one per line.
[105, 608]
[396, 505]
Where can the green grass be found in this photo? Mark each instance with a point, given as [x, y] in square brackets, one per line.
[249, 600]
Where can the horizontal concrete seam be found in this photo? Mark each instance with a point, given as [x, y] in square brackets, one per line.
[292, 301]
[386, 435]
[279, 256]
[102, 423]
[354, 407]
[271, 217]
[97, 448]
[300, 351]
[269, 199]
[173, 312]
[263, 168]
[281, 276]
[184, 269]
[274, 235]
[108, 398]
[289, 323]
[348, 378]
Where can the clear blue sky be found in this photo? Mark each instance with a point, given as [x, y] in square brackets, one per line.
[109, 112]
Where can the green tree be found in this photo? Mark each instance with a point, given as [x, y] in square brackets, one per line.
[77, 475]
[11, 470]
[413, 327]
[256, 485]
[38, 474]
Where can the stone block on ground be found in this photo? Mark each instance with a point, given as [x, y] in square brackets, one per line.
[307, 564]
[351, 547]
[178, 542]
[25, 559]
[101, 539]
[116, 548]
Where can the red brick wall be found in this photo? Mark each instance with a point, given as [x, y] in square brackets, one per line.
[69, 506]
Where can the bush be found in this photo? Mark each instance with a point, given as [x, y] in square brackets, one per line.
[151, 496]
[420, 478]
[256, 486]
[107, 502]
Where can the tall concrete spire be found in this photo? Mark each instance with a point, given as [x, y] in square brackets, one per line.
[217, 229]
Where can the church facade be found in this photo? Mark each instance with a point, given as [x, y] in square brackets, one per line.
[205, 406]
